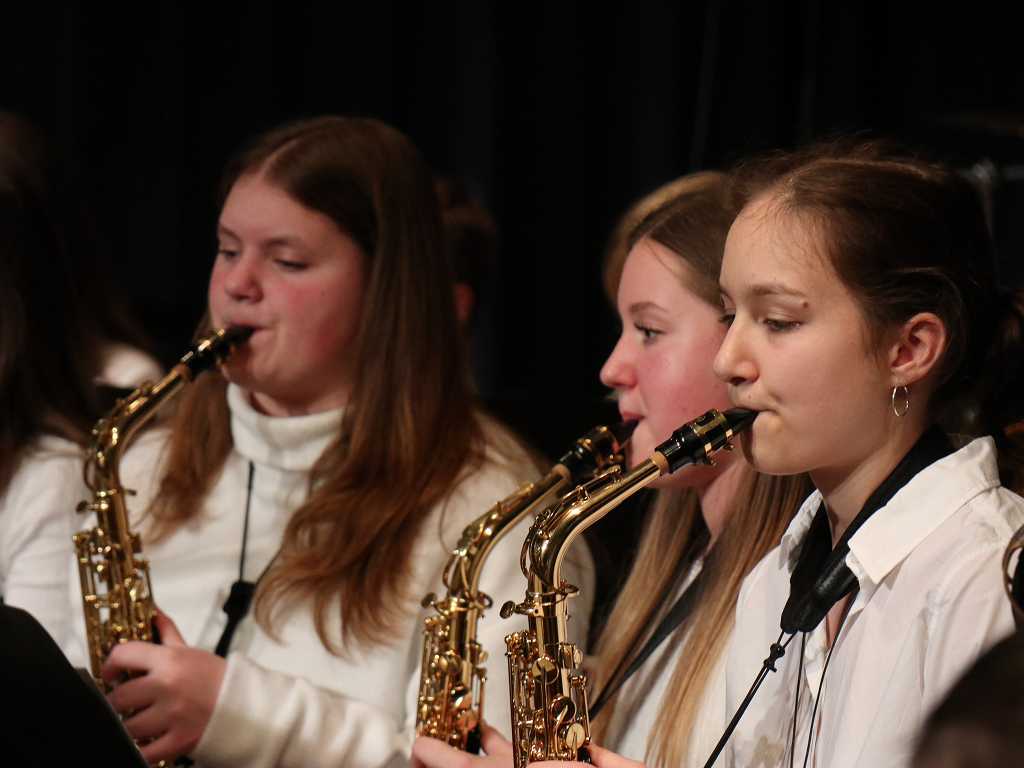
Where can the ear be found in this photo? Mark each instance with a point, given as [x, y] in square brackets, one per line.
[917, 349]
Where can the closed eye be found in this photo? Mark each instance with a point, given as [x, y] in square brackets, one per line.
[780, 326]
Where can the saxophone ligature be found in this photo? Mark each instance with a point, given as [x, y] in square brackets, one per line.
[117, 596]
[452, 677]
[550, 719]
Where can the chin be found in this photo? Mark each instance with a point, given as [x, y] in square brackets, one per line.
[240, 375]
[770, 459]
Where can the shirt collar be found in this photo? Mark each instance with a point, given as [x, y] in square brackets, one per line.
[921, 506]
[292, 443]
[789, 546]
[917, 509]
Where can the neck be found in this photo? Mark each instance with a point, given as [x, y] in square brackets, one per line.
[846, 490]
[718, 497]
[276, 407]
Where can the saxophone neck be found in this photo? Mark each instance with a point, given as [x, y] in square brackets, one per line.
[114, 432]
[696, 442]
[597, 450]
[462, 573]
[585, 505]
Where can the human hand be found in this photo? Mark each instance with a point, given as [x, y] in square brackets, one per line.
[432, 753]
[603, 758]
[166, 693]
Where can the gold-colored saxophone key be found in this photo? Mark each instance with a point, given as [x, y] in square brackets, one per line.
[452, 676]
[550, 719]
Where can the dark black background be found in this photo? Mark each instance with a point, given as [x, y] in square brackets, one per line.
[557, 114]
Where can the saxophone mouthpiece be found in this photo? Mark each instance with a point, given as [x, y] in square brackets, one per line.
[212, 350]
[237, 334]
[740, 418]
[623, 431]
[697, 441]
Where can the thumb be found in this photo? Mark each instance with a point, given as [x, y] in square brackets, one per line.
[493, 742]
[605, 758]
[167, 630]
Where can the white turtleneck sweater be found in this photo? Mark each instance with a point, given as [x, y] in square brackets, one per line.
[288, 701]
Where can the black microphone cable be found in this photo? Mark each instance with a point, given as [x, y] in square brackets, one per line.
[796, 699]
[813, 735]
[775, 652]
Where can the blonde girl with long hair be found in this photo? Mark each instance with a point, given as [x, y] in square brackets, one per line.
[707, 527]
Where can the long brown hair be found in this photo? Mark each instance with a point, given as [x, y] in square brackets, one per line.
[691, 218]
[372, 488]
[48, 345]
[908, 235]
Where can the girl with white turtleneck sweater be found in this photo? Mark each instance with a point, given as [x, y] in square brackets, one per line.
[333, 470]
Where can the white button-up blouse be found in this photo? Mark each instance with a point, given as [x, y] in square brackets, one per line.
[930, 600]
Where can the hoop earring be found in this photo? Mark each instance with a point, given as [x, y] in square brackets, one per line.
[901, 409]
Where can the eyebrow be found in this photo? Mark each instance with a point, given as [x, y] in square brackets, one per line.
[274, 242]
[773, 289]
[768, 289]
[641, 306]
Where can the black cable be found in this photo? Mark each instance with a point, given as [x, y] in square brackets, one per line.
[240, 596]
[796, 699]
[775, 652]
[817, 697]
[670, 622]
[245, 524]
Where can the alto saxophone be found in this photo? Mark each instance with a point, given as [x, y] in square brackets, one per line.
[452, 677]
[116, 593]
[550, 720]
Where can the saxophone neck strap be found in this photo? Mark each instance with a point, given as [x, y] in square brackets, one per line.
[240, 597]
[671, 621]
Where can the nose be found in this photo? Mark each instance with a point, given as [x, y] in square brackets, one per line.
[618, 371]
[240, 278]
[733, 364]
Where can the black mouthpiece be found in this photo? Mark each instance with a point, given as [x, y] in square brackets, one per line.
[214, 348]
[596, 449]
[237, 334]
[623, 431]
[697, 441]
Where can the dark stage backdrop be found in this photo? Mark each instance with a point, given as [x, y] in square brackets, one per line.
[557, 115]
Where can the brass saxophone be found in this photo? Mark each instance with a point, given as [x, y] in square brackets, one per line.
[116, 592]
[452, 676]
[550, 719]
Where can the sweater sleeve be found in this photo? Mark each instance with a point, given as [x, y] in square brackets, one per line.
[267, 719]
[36, 544]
